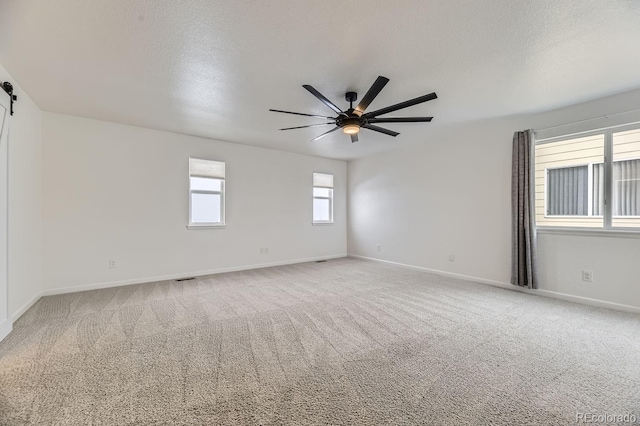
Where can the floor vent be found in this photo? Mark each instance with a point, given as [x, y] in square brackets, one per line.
[186, 279]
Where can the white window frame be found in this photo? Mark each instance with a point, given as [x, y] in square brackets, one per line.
[205, 225]
[607, 227]
[329, 198]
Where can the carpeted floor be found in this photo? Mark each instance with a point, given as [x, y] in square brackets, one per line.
[345, 342]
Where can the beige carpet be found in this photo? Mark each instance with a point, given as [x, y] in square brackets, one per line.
[346, 342]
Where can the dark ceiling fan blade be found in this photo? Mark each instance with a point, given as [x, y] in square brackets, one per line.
[375, 88]
[381, 130]
[354, 138]
[325, 134]
[299, 113]
[324, 100]
[401, 105]
[401, 120]
[310, 125]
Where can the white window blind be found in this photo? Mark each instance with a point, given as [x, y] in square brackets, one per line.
[206, 168]
[322, 180]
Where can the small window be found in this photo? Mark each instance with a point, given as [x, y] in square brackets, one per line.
[206, 192]
[322, 198]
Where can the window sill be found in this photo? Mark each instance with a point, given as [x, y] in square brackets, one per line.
[205, 226]
[321, 223]
[589, 232]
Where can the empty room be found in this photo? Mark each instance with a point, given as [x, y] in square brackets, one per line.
[319, 213]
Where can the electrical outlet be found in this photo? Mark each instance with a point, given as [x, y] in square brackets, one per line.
[112, 264]
[379, 247]
[264, 251]
[452, 258]
[587, 276]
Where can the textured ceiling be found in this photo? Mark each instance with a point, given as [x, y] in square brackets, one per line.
[214, 68]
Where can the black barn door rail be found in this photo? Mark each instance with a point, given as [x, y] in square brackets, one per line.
[8, 87]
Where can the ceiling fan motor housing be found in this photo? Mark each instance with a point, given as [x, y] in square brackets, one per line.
[353, 121]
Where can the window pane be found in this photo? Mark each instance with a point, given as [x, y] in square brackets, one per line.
[321, 210]
[205, 184]
[626, 188]
[626, 179]
[567, 191]
[322, 192]
[205, 208]
[568, 183]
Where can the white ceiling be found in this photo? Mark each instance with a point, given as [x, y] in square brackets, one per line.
[214, 68]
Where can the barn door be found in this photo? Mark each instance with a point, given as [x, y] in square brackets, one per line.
[5, 322]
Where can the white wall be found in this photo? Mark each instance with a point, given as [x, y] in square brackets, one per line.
[614, 260]
[119, 192]
[25, 201]
[450, 194]
[425, 203]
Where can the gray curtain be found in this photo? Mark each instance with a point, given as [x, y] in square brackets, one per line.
[523, 234]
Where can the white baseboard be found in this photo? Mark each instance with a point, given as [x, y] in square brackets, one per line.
[102, 285]
[5, 328]
[507, 286]
[26, 307]
[438, 272]
[586, 301]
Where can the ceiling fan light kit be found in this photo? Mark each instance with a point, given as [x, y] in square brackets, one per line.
[354, 119]
[351, 128]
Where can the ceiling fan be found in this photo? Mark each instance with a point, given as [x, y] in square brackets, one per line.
[354, 119]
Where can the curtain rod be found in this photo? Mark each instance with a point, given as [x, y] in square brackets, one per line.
[587, 119]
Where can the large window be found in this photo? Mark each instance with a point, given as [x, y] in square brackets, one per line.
[206, 192]
[575, 177]
[322, 198]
